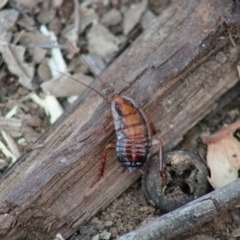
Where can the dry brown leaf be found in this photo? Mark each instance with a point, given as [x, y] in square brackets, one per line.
[38, 54]
[32, 121]
[13, 56]
[132, 16]
[8, 17]
[71, 31]
[27, 3]
[63, 86]
[87, 16]
[34, 38]
[147, 19]
[77, 65]
[71, 34]
[44, 71]
[223, 156]
[29, 134]
[113, 17]
[57, 3]
[46, 16]
[102, 42]
[55, 25]
[3, 3]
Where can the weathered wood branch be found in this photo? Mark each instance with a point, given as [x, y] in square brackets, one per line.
[176, 70]
[188, 216]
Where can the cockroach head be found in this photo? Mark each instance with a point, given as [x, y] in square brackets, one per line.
[108, 89]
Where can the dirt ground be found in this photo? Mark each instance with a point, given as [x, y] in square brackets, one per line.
[33, 116]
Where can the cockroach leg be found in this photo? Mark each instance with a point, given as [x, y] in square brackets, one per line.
[108, 116]
[107, 128]
[105, 155]
[104, 160]
[152, 128]
[160, 157]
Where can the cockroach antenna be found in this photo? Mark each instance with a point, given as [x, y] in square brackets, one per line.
[68, 76]
[96, 76]
[92, 71]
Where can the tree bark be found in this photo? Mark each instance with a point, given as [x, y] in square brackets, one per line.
[188, 216]
[175, 70]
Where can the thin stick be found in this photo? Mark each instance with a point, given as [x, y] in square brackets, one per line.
[191, 215]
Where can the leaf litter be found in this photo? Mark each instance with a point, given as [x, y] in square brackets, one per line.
[223, 156]
[13, 56]
[8, 18]
[29, 91]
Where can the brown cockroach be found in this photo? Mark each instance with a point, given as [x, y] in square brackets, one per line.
[133, 131]
[134, 136]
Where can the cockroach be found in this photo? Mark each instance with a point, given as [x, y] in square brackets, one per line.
[134, 136]
[133, 131]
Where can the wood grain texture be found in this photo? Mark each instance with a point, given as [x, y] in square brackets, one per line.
[171, 70]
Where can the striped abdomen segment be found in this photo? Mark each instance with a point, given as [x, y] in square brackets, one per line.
[131, 154]
[133, 135]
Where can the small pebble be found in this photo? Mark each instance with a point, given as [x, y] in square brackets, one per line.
[119, 222]
[96, 237]
[100, 225]
[108, 223]
[105, 235]
[235, 213]
[114, 232]
[113, 215]
[22, 91]
[85, 230]
[107, 217]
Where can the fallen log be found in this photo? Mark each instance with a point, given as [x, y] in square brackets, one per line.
[175, 70]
